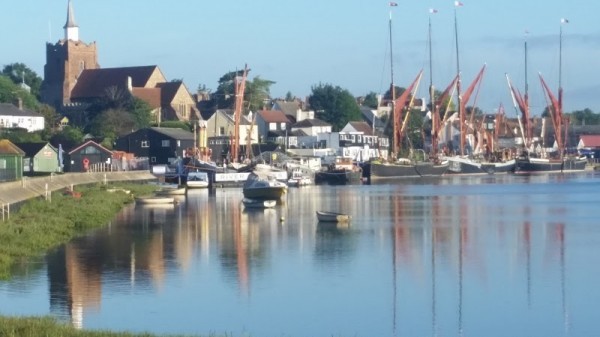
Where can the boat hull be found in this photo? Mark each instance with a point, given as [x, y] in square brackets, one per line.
[257, 203]
[430, 169]
[464, 166]
[338, 177]
[499, 168]
[536, 165]
[379, 170]
[323, 216]
[265, 193]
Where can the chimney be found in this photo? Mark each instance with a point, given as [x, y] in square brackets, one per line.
[129, 85]
[19, 103]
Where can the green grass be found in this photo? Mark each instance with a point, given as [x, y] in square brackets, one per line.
[40, 225]
[49, 327]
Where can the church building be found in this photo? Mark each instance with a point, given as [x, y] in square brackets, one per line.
[73, 79]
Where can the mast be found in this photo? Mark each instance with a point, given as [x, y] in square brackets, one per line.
[393, 88]
[434, 116]
[461, 110]
[239, 86]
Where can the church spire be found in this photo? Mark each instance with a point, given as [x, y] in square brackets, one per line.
[71, 27]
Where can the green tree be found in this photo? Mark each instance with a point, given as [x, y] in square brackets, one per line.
[18, 72]
[371, 100]
[18, 135]
[584, 117]
[69, 137]
[289, 97]
[140, 112]
[334, 105]
[256, 94]
[10, 93]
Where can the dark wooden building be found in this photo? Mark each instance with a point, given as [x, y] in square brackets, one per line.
[89, 156]
[159, 145]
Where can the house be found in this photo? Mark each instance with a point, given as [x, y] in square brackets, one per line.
[372, 118]
[357, 140]
[168, 100]
[12, 116]
[159, 145]
[222, 124]
[11, 161]
[39, 158]
[589, 145]
[293, 110]
[312, 127]
[89, 156]
[272, 124]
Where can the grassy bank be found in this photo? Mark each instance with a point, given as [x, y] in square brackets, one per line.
[36, 327]
[40, 225]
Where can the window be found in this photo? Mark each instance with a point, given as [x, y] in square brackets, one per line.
[145, 143]
[272, 126]
[3, 164]
[222, 131]
[166, 143]
[283, 126]
[153, 159]
[90, 150]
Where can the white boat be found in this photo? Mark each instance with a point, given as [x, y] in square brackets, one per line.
[325, 216]
[197, 180]
[262, 183]
[298, 178]
[259, 203]
[172, 191]
[154, 200]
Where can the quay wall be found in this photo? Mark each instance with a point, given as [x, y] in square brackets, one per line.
[32, 187]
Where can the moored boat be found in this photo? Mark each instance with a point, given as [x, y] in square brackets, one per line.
[326, 216]
[262, 184]
[154, 200]
[197, 179]
[258, 203]
[542, 165]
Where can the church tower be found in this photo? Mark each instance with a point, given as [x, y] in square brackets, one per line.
[65, 60]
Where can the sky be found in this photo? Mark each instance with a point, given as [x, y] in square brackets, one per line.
[300, 44]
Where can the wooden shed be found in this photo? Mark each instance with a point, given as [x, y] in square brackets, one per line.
[40, 158]
[89, 156]
[11, 161]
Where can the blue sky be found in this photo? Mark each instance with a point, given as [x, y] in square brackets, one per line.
[299, 44]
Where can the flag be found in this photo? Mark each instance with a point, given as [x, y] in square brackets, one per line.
[563, 20]
[458, 4]
[393, 4]
[433, 10]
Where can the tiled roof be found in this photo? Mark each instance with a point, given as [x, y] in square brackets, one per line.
[31, 149]
[93, 82]
[92, 143]
[591, 140]
[148, 95]
[7, 109]
[175, 133]
[6, 147]
[273, 116]
[288, 108]
[306, 123]
[362, 127]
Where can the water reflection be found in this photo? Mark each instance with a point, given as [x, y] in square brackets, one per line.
[448, 259]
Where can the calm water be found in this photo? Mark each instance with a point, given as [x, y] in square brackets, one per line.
[481, 256]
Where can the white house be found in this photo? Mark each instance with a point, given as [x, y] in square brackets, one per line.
[17, 117]
[293, 110]
[312, 127]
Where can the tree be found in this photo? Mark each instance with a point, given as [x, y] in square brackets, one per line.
[140, 112]
[334, 105]
[289, 97]
[18, 72]
[69, 137]
[584, 117]
[10, 93]
[371, 100]
[256, 94]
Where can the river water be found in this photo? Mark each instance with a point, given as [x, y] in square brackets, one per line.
[473, 256]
